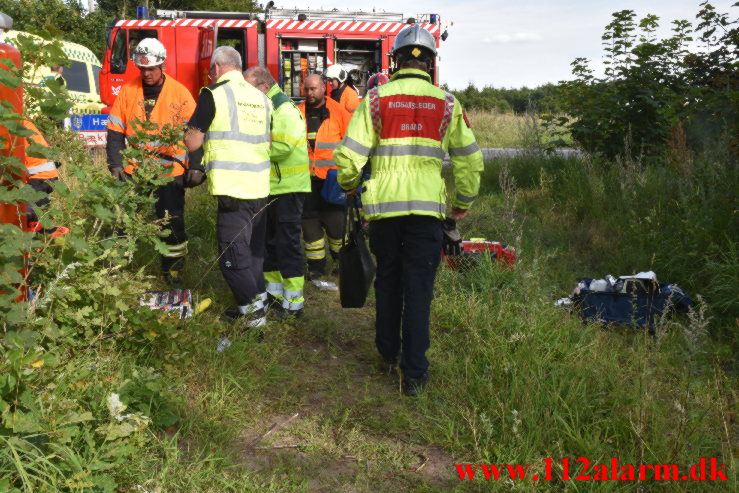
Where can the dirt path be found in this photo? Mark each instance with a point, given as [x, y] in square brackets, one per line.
[337, 422]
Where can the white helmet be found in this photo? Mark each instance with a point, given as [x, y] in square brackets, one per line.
[150, 52]
[336, 71]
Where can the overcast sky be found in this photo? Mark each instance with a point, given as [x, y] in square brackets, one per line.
[515, 43]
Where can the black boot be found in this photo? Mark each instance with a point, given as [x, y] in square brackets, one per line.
[412, 387]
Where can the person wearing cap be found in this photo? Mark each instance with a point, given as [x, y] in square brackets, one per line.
[404, 128]
[157, 97]
[289, 183]
[342, 87]
[232, 123]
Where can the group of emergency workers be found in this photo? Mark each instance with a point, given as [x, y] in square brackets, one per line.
[267, 162]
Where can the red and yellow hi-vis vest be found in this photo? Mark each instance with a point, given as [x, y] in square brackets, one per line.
[405, 128]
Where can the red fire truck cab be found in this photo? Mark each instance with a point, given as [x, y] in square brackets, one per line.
[291, 44]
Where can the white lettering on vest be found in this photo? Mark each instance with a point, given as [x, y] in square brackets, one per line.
[412, 105]
[411, 127]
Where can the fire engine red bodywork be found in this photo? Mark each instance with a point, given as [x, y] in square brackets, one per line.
[11, 145]
[190, 42]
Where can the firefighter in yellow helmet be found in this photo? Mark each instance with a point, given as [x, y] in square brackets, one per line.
[404, 128]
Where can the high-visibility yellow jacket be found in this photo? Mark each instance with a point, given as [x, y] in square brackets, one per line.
[405, 127]
[38, 168]
[237, 143]
[290, 165]
[174, 106]
[328, 137]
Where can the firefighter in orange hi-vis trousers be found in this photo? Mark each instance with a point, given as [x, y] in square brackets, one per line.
[326, 122]
[157, 97]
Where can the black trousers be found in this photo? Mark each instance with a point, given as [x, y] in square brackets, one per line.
[408, 252]
[171, 203]
[240, 229]
[44, 186]
[319, 215]
[284, 251]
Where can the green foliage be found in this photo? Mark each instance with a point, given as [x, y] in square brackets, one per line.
[543, 99]
[654, 91]
[61, 18]
[71, 20]
[62, 426]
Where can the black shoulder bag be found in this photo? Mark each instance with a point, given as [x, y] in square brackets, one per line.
[356, 265]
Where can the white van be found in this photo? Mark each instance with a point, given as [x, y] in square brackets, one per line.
[81, 74]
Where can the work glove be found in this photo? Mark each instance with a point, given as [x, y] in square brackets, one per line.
[452, 241]
[118, 173]
[193, 178]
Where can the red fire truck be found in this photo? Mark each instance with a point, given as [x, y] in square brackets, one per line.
[290, 43]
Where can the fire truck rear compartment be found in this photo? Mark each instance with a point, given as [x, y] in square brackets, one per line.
[300, 57]
[361, 58]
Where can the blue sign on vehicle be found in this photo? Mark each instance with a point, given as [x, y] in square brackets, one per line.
[88, 123]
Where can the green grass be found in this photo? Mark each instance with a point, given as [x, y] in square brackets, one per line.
[493, 129]
[514, 380]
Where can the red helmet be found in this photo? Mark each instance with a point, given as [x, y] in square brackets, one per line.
[377, 80]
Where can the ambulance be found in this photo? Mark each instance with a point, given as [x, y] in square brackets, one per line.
[81, 77]
[81, 74]
[290, 43]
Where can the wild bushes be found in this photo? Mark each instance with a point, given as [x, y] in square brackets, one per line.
[71, 411]
[678, 93]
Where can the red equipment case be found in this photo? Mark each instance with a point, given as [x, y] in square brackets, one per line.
[474, 251]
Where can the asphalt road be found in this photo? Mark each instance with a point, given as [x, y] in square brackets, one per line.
[511, 152]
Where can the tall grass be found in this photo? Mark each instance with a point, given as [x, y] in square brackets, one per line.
[600, 217]
[507, 130]
[514, 380]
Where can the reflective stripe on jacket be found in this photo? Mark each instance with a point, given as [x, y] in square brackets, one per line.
[328, 138]
[174, 106]
[415, 124]
[38, 168]
[237, 143]
[290, 169]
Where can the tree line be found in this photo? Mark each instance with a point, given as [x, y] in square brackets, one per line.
[547, 98]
